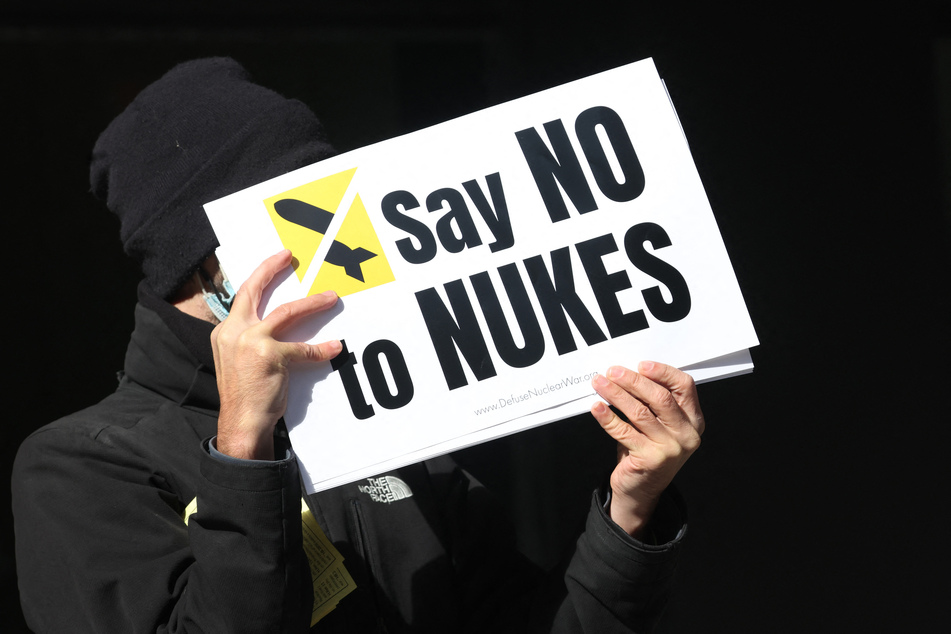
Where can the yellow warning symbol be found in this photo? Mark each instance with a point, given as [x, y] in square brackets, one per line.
[367, 266]
[301, 227]
[355, 260]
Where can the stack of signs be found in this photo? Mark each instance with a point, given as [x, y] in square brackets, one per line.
[488, 268]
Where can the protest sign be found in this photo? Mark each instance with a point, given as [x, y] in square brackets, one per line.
[488, 268]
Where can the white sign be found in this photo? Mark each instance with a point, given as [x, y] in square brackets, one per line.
[488, 267]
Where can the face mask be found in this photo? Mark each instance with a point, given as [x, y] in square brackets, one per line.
[218, 301]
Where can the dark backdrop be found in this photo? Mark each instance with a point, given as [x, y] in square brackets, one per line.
[817, 501]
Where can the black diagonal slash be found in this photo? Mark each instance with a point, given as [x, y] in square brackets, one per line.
[350, 259]
[304, 214]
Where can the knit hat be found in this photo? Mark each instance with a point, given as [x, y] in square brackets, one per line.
[202, 131]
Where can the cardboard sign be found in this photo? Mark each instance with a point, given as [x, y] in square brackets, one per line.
[488, 268]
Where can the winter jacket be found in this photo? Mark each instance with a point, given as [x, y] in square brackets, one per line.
[99, 498]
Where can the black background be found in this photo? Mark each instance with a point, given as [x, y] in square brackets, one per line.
[818, 501]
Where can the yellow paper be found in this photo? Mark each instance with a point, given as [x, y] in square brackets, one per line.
[331, 580]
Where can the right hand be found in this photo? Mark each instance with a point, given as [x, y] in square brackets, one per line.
[252, 365]
[663, 428]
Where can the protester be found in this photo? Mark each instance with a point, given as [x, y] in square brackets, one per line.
[100, 496]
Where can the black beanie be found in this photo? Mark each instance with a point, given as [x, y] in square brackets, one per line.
[202, 131]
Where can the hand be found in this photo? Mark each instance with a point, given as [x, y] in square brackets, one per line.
[252, 365]
[664, 430]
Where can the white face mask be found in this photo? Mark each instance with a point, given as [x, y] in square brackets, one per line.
[219, 301]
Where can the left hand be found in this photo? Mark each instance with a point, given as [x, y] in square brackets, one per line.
[251, 362]
[665, 426]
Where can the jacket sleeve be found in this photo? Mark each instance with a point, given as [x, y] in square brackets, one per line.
[102, 546]
[615, 583]
[609, 583]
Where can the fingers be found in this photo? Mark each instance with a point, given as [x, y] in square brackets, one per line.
[315, 353]
[679, 383]
[653, 407]
[621, 431]
[248, 298]
[632, 395]
[244, 328]
[287, 314]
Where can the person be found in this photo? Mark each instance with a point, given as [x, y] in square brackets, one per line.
[100, 496]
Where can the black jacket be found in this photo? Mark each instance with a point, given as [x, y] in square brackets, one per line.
[98, 499]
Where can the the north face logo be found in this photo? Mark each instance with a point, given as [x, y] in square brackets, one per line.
[354, 261]
[386, 489]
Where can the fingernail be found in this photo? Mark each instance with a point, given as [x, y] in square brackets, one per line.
[615, 372]
[646, 366]
[599, 381]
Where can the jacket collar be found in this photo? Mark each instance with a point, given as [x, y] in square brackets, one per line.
[170, 353]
